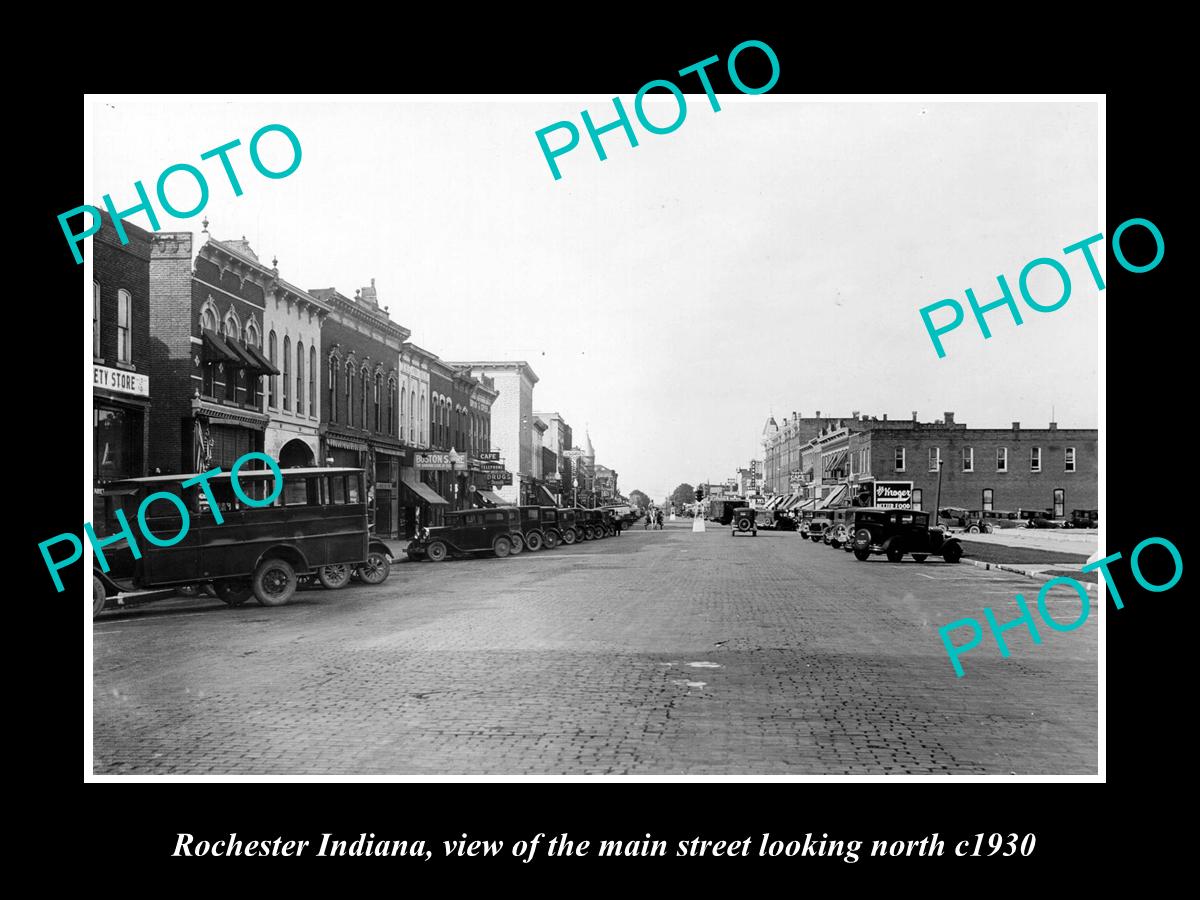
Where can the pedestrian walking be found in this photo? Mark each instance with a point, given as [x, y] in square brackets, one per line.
[649, 516]
[658, 517]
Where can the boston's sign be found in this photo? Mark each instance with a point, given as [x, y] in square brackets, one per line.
[433, 461]
[121, 381]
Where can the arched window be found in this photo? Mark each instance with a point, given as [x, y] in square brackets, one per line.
[287, 373]
[421, 412]
[403, 408]
[96, 319]
[412, 417]
[378, 388]
[273, 358]
[363, 392]
[124, 324]
[312, 381]
[252, 334]
[391, 416]
[231, 327]
[208, 317]
[349, 409]
[299, 378]
[331, 412]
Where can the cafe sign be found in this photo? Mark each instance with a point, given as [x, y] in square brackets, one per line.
[120, 381]
[491, 455]
[433, 461]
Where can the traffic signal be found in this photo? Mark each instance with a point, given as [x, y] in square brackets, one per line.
[699, 494]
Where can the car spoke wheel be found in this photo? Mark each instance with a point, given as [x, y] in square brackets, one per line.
[974, 529]
[98, 597]
[551, 540]
[334, 577]
[274, 582]
[743, 524]
[516, 543]
[501, 546]
[436, 551]
[569, 536]
[533, 541]
[376, 569]
[233, 591]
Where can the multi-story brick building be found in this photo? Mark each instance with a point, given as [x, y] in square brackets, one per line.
[512, 415]
[994, 469]
[420, 503]
[606, 484]
[360, 386]
[781, 449]
[557, 440]
[207, 361]
[120, 354]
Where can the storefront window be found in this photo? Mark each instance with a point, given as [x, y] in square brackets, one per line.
[118, 447]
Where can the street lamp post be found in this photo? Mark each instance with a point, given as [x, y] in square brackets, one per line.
[575, 485]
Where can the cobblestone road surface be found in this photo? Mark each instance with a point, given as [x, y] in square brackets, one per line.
[660, 652]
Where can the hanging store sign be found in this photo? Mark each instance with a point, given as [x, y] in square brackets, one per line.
[891, 494]
[492, 455]
[500, 477]
[432, 461]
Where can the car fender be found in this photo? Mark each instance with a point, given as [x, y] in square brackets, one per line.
[287, 552]
[376, 545]
[947, 541]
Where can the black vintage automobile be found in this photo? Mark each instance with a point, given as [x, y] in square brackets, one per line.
[1083, 518]
[315, 526]
[567, 525]
[533, 531]
[594, 526]
[896, 532]
[552, 534]
[743, 521]
[817, 524]
[465, 533]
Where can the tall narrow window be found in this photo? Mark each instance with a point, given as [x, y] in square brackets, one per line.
[272, 382]
[935, 458]
[362, 400]
[916, 498]
[299, 378]
[988, 494]
[124, 311]
[331, 412]
[403, 408]
[1001, 459]
[1069, 460]
[421, 412]
[312, 381]
[1060, 503]
[1035, 459]
[391, 400]
[96, 319]
[378, 387]
[349, 410]
[968, 459]
[412, 417]
[287, 373]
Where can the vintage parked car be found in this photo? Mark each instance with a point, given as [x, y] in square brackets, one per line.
[595, 525]
[553, 527]
[976, 522]
[530, 524]
[570, 529]
[896, 532]
[817, 525]
[953, 517]
[1041, 519]
[1083, 518]
[999, 518]
[837, 532]
[743, 521]
[465, 532]
[316, 526]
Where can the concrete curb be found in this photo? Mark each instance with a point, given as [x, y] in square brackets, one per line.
[979, 564]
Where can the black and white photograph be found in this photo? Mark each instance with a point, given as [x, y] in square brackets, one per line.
[701, 432]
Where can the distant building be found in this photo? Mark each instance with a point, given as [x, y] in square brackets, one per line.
[511, 422]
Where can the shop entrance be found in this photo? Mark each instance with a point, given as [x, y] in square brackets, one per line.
[295, 454]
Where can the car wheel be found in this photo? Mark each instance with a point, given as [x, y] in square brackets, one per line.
[274, 582]
[569, 536]
[952, 553]
[436, 551]
[233, 591]
[895, 555]
[862, 555]
[516, 543]
[334, 577]
[376, 569]
[502, 546]
[974, 529]
[743, 524]
[533, 541]
[98, 596]
[551, 540]
[920, 557]
[587, 532]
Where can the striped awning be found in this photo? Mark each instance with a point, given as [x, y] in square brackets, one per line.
[832, 498]
[334, 440]
[836, 461]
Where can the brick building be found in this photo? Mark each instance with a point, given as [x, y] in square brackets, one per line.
[120, 354]
[360, 387]
[420, 504]
[511, 426]
[557, 440]
[781, 449]
[995, 469]
[207, 361]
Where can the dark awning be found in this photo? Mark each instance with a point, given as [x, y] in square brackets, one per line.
[264, 364]
[549, 496]
[424, 493]
[247, 360]
[217, 350]
[491, 498]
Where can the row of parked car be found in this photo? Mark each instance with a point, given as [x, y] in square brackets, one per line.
[977, 521]
[866, 530]
[508, 530]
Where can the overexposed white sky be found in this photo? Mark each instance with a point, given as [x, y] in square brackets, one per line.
[767, 258]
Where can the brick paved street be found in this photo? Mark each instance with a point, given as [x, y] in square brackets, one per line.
[654, 653]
